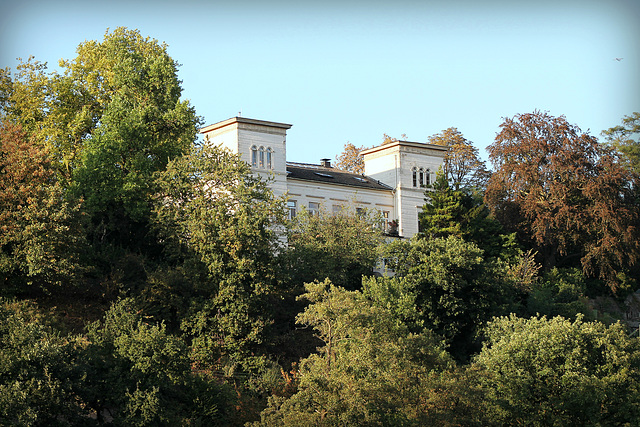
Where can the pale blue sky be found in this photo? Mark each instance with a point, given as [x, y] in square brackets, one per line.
[353, 70]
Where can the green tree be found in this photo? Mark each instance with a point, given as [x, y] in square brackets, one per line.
[219, 223]
[135, 373]
[565, 195]
[142, 124]
[543, 372]
[112, 117]
[109, 119]
[27, 97]
[45, 105]
[40, 232]
[560, 292]
[462, 166]
[123, 371]
[35, 368]
[371, 369]
[442, 214]
[455, 289]
[450, 212]
[625, 139]
[340, 246]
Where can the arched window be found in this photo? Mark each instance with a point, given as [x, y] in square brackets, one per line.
[261, 164]
[421, 177]
[269, 160]
[427, 180]
[254, 156]
[415, 177]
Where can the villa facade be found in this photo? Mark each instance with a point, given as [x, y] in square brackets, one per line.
[393, 181]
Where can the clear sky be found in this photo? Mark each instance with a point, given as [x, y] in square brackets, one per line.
[353, 70]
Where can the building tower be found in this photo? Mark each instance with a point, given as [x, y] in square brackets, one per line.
[260, 143]
[407, 167]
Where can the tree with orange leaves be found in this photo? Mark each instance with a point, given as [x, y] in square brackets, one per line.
[40, 234]
[462, 164]
[566, 195]
[350, 159]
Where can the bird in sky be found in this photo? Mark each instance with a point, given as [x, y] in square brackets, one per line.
[619, 59]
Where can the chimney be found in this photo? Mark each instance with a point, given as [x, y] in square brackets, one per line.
[325, 163]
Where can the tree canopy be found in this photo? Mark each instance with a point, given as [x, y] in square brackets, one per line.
[110, 118]
[449, 280]
[625, 139]
[341, 246]
[370, 371]
[40, 226]
[148, 280]
[543, 372]
[350, 159]
[450, 212]
[462, 165]
[140, 123]
[565, 193]
[219, 221]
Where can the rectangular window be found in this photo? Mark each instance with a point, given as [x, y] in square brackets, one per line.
[314, 208]
[360, 212]
[385, 220]
[337, 209]
[291, 205]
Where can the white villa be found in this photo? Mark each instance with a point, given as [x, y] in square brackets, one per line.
[395, 173]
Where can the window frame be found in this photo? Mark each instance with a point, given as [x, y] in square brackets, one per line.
[292, 206]
[254, 156]
[315, 209]
[269, 164]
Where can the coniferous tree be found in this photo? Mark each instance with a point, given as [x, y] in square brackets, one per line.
[442, 215]
[451, 212]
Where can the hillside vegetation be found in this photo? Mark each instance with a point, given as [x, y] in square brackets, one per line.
[145, 280]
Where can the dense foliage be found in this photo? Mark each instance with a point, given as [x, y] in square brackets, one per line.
[371, 369]
[40, 227]
[462, 165]
[625, 139]
[218, 223]
[456, 290]
[340, 247]
[148, 280]
[542, 372]
[566, 195]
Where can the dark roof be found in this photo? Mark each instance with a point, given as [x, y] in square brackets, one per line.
[316, 173]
